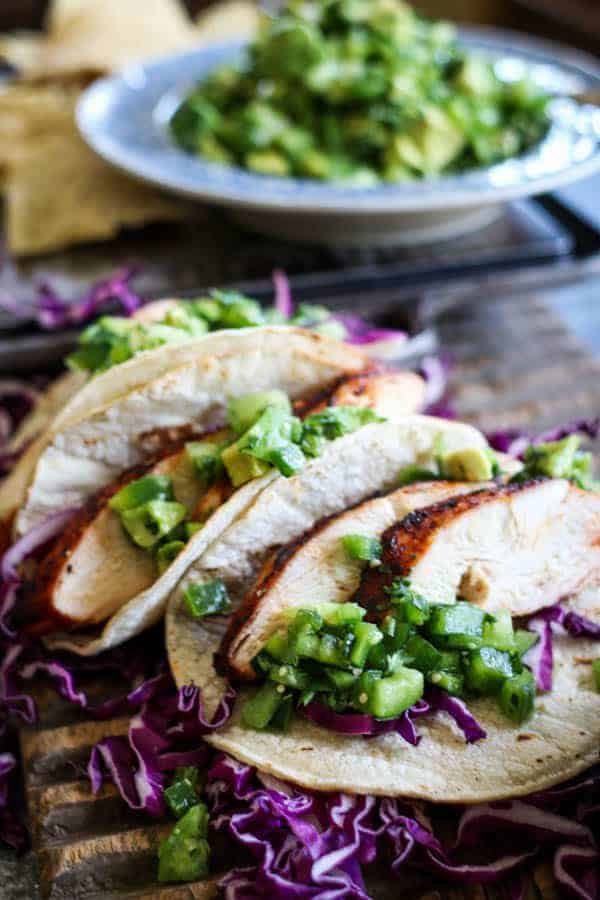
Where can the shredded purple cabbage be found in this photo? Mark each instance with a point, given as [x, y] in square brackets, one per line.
[283, 294]
[367, 726]
[515, 441]
[540, 657]
[50, 310]
[306, 844]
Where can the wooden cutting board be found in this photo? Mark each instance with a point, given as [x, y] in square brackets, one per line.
[516, 364]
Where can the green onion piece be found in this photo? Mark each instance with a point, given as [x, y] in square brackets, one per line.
[458, 625]
[137, 493]
[517, 696]
[596, 673]
[166, 553]
[184, 854]
[362, 547]
[205, 457]
[258, 711]
[208, 599]
[182, 794]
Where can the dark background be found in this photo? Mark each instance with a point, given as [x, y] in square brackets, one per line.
[574, 22]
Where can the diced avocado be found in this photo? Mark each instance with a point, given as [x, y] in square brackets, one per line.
[396, 693]
[469, 464]
[475, 76]
[241, 467]
[244, 411]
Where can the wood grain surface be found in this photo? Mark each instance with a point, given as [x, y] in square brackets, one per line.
[516, 364]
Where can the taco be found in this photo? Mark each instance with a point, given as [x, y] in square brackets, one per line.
[413, 603]
[154, 477]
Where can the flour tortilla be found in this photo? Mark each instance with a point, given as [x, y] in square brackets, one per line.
[104, 429]
[348, 471]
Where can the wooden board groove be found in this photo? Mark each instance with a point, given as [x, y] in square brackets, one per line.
[516, 365]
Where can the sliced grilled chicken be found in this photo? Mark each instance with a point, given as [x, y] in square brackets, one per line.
[391, 394]
[315, 569]
[93, 569]
[520, 547]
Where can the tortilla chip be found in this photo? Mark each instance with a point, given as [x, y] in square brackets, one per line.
[58, 192]
[89, 38]
[228, 20]
[22, 50]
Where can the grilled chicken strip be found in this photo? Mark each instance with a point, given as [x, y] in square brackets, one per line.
[315, 569]
[93, 568]
[520, 547]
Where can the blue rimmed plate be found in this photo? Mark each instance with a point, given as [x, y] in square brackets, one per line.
[125, 119]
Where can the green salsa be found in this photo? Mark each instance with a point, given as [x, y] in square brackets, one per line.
[360, 91]
[333, 655]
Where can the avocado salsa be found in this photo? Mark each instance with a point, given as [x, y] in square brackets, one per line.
[359, 91]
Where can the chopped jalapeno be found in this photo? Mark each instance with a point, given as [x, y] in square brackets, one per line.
[244, 411]
[259, 710]
[182, 794]
[147, 524]
[208, 599]
[166, 553]
[362, 547]
[457, 625]
[517, 696]
[184, 854]
[137, 493]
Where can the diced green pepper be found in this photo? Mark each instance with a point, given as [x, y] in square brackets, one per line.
[423, 654]
[244, 411]
[448, 681]
[182, 794]
[258, 711]
[499, 632]
[166, 553]
[409, 606]
[486, 669]
[208, 599]
[517, 696]
[184, 854]
[139, 492]
[284, 673]
[366, 636]
[524, 640]
[362, 547]
[147, 524]
[456, 625]
[338, 614]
